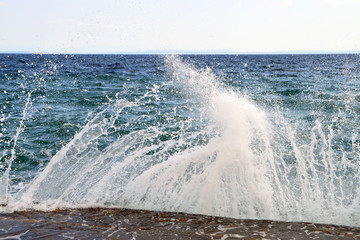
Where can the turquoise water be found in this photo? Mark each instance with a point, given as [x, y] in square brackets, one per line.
[261, 137]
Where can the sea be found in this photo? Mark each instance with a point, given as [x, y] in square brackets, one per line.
[271, 137]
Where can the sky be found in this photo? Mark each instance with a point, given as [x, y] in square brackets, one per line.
[106, 26]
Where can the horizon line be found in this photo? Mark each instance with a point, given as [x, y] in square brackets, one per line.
[188, 52]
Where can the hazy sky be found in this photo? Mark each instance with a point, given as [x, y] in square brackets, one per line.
[93, 26]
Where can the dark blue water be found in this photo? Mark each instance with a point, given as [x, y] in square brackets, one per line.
[273, 136]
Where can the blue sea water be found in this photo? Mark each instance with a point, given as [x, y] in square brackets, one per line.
[242, 136]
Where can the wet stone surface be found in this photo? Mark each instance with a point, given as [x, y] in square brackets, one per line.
[140, 224]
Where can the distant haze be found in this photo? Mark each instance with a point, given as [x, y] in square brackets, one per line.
[169, 26]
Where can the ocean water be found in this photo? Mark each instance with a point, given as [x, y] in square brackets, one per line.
[248, 137]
